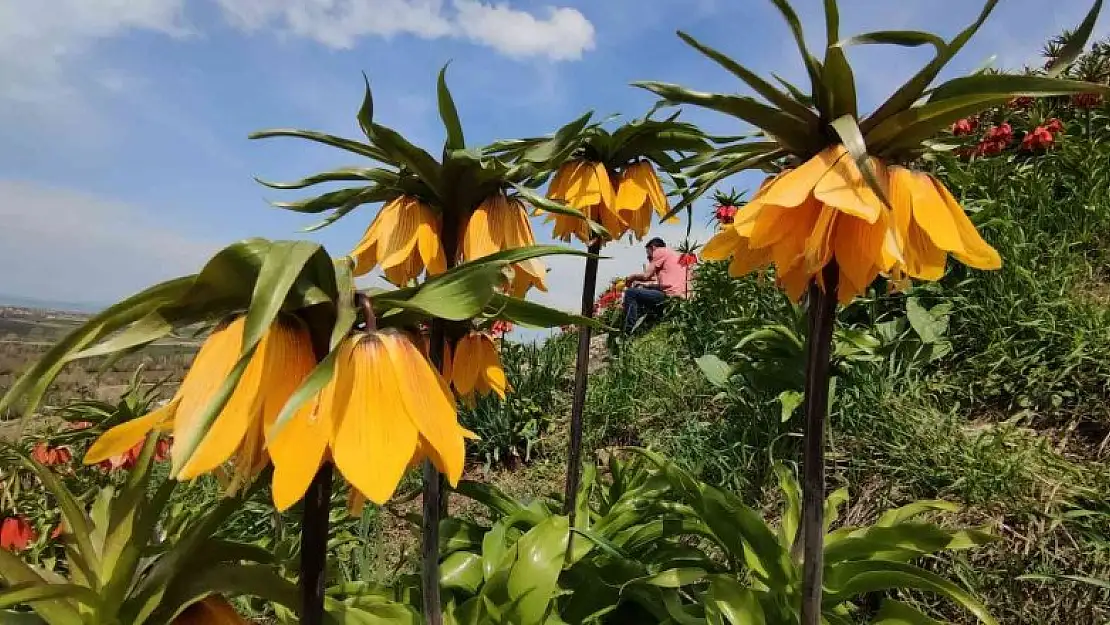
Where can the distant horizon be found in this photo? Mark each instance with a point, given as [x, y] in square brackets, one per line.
[24, 301]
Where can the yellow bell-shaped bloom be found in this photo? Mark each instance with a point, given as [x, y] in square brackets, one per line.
[585, 186]
[281, 361]
[638, 194]
[501, 223]
[212, 610]
[476, 367]
[384, 406]
[805, 218]
[404, 239]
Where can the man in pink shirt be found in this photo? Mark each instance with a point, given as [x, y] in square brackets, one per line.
[663, 277]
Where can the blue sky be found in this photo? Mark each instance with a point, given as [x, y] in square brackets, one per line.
[123, 123]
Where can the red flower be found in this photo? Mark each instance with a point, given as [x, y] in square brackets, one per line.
[1039, 139]
[58, 531]
[989, 148]
[79, 425]
[964, 126]
[1003, 133]
[1087, 100]
[1021, 102]
[16, 533]
[725, 214]
[162, 449]
[1054, 125]
[501, 327]
[50, 456]
[687, 259]
[607, 300]
[127, 459]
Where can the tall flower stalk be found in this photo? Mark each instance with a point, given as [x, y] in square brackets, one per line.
[438, 218]
[611, 179]
[845, 205]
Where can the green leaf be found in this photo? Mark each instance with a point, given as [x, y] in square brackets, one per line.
[327, 201]
[1090, 581]
[928, 328]
[532, 315]
[15, 572]
[912, 90]
[464, 291]
[449, 114]
[228, 580]
[789, 105]
[1011, 85]
[914, 510]
[715, 370]
[410, 156]
[852, 579]
[354, 147]
[906, 130]
[774, 122]
[366, 110]
[737, 604]
[905, 38]
[31, 386]
[675, 578]
[813, 68]
[461, 570]
[792, 504]
[345, 312]
[790, 401]
[283, 264]
[1075, 44]
[897, 613]
[74, 514]
[344, 174]
[30, 593]
[146, 330]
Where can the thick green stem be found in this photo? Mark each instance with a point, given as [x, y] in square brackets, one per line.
[822, 317]
[581, 369]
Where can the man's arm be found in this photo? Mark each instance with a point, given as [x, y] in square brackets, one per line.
[647, 275]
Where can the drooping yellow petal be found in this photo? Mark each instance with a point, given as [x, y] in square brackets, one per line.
[605, 187]
[427, 403]
[492, 373]
[631, 194]
[480, 238]
[977, 252]
[429, 244]
[819, 244]
[746, 260]
[374, 442]
[402, 238]
[793, 187]
[858, 247]
[367, 252]
[844, 187]
[932, 215]
[464, 369]
[722, 245]
[126, 435]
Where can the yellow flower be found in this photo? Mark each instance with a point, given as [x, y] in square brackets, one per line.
[805, 218]
[280, 363]
[501, 223]
[384, 407]
[404, 239]
[212, 610]
[638, 193]
[476, 367]
[586, 187]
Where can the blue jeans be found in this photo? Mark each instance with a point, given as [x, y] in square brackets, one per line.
[637, 302]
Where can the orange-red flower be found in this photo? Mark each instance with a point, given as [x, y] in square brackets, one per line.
[16, 533]
[50, 456]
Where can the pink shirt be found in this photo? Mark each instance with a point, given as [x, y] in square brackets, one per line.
[671, 275]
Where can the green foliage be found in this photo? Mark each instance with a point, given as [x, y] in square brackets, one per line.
[118, 567]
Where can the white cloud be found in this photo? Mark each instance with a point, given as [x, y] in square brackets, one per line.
[39, 39]
[563, 35]
[70, 246]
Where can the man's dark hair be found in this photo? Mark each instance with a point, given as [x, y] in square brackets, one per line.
[656, 242]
